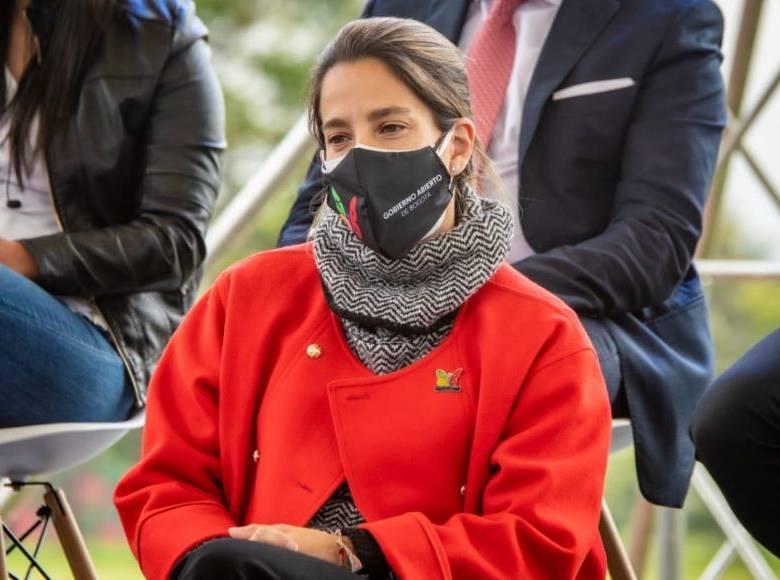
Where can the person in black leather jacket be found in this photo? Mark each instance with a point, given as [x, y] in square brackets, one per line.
[111, 132]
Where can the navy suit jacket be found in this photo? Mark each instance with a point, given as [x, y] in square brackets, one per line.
[612, 191]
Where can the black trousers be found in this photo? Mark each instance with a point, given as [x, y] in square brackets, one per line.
[736, 430]
[230, 559]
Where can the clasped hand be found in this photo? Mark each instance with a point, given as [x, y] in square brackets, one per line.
[311, 542]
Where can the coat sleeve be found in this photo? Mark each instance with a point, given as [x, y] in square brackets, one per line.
[172, 500]
[669, 155]
[541, 505]
[164, 244]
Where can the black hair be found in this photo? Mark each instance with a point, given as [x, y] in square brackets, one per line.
[69, 36]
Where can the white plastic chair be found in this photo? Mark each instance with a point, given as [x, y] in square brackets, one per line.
[34, 450]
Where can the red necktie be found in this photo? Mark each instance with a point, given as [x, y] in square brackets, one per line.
[489, 65]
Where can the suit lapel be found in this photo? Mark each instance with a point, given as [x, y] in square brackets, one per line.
[448, 17]
[576, 26]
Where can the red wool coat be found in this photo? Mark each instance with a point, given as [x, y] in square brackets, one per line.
[485, 459]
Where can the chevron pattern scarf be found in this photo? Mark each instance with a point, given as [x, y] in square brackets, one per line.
[396, 311]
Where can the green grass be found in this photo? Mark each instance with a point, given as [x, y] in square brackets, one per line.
[113, 561]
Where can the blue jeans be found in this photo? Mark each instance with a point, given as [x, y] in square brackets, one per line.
[55, 365]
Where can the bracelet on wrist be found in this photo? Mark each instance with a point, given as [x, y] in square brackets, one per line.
[347, 558]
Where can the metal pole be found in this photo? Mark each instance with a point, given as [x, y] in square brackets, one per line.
[5, 491]
[708, 492]
[740, 70]
[746, 42]
[259, 189]
[641, 530]
[671, 534]
[720, 562]
[734, 138]
[739, 269]
[763, 178]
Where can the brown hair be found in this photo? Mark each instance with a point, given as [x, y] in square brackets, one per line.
[423, 59]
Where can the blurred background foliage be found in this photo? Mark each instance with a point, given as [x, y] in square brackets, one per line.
[262, 50]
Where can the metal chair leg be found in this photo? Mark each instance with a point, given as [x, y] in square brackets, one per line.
[3, 566]
[70, 537]
[671, 535]
[641, 532]
[5, 492]
[618, 564]
[737, 535]
[719, 563]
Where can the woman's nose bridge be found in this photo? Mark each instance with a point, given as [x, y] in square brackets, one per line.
[364, 134]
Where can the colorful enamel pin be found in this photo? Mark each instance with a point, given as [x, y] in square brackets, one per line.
[448, 382]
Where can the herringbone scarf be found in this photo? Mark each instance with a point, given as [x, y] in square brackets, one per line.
[396, 311]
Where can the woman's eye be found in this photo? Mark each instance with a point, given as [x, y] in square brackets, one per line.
[337, 139]
[391, 128]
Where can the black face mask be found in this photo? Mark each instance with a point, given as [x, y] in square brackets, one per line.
[391, 199]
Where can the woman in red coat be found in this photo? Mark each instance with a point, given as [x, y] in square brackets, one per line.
[391, 399]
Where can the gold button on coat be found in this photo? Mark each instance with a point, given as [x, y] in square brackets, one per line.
[314, 351]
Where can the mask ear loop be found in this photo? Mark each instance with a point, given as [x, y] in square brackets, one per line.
[445, 141]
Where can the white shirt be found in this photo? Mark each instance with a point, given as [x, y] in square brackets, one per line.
[532, 20]
[37, 216]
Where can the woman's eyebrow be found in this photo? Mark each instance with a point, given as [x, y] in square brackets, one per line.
[377, 114]
[335, 124]
[373, 116]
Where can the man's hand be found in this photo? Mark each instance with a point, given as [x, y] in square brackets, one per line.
[311, 542]
[16, 257]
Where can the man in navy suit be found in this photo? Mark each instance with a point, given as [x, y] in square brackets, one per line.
[606, 140]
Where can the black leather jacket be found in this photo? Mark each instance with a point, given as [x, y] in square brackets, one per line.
[135, 177]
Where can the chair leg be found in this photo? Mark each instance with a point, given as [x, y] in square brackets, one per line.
[3, 566]
[642, 517]
[5, 492]
[737, 535]
[618, 564]
[671, 535]
[70, 537]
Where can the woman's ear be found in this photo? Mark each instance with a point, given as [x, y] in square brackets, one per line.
[461, 146]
